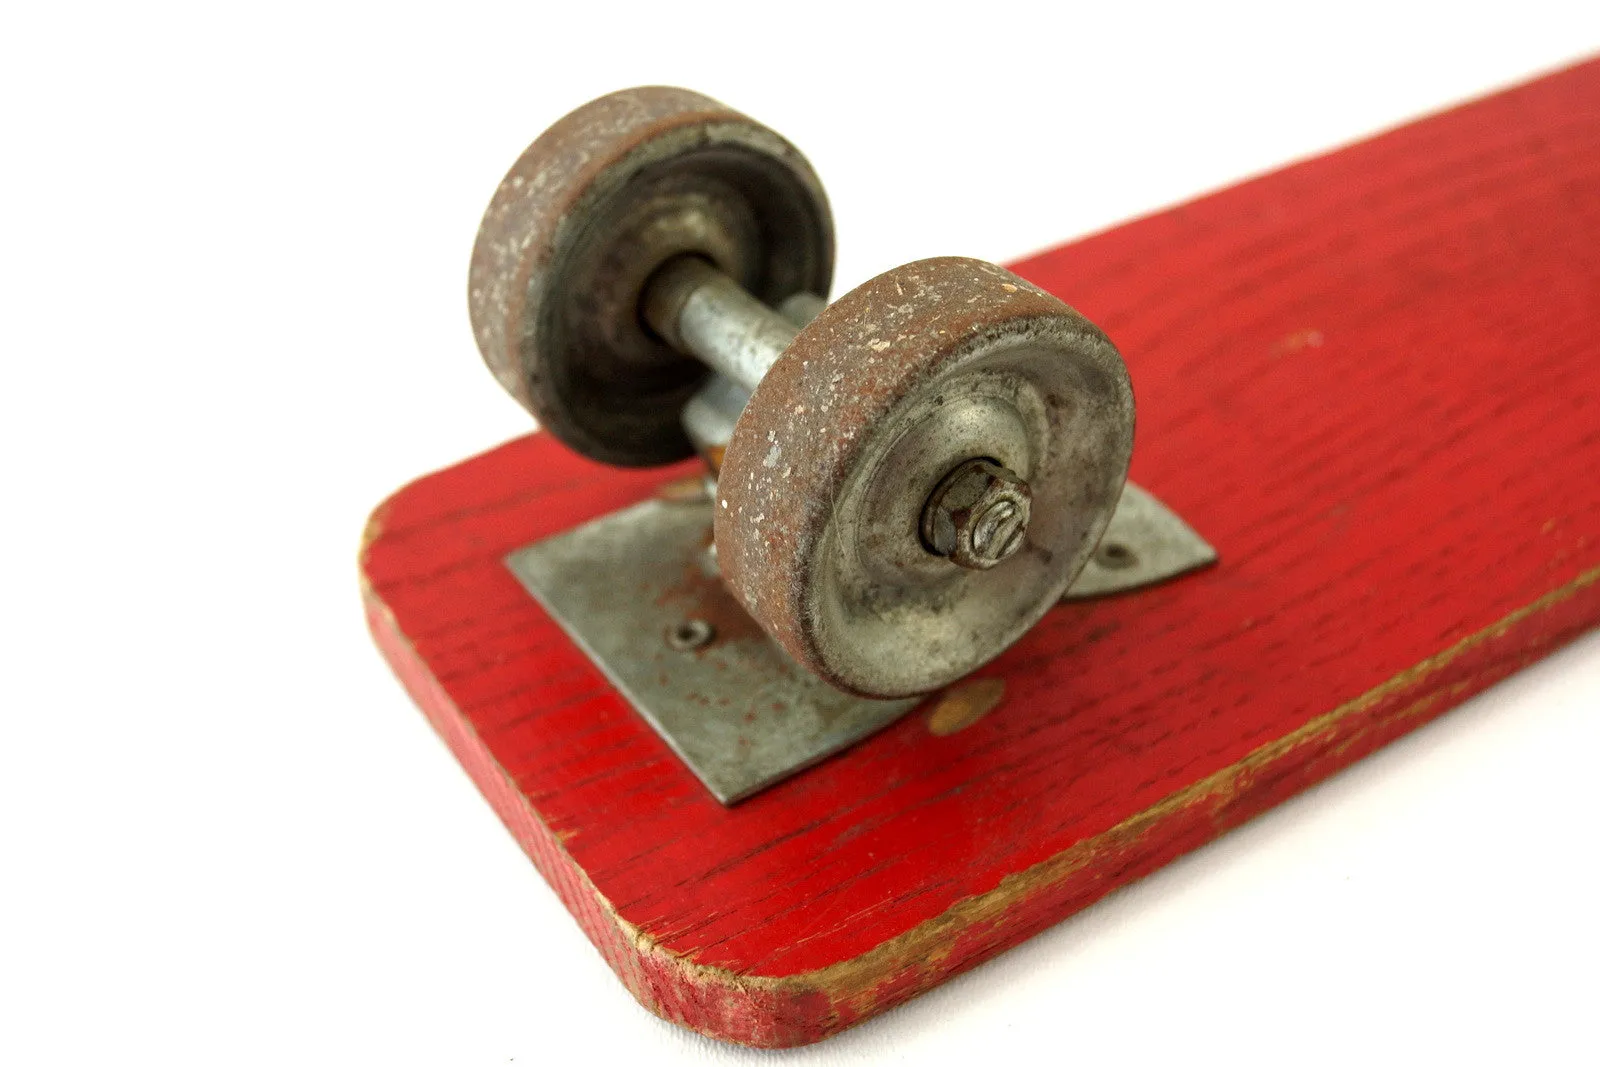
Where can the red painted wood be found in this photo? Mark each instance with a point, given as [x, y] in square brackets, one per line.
[1371, 379]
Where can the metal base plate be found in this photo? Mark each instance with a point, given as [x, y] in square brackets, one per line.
[738, 711]
[637, 590]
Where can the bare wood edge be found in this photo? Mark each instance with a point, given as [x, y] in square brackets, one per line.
[779, 1012]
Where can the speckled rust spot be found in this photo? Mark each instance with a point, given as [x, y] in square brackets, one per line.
[699, 594]
[964, 704]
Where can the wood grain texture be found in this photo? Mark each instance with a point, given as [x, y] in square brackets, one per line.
[1372, 380]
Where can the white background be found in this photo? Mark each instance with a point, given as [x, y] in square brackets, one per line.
[233, 247]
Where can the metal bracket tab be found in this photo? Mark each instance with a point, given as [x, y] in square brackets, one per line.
[1145, 543]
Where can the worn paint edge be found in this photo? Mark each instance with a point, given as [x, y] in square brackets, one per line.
[1214, 792]
[799, 1009]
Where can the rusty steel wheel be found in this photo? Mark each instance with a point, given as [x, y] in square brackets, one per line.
[826, 483]
[593, 207]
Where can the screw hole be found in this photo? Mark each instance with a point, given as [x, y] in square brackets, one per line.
[1116, 556]
[690, 634]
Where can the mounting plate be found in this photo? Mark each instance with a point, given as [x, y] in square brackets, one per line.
[638, 591]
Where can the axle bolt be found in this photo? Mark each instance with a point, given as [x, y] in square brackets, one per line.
[978, 515]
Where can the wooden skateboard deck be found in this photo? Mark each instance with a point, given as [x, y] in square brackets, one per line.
[1371, 380]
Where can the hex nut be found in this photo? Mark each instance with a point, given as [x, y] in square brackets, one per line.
[978, 515]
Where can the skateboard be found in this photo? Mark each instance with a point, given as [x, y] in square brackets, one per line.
[816, 652]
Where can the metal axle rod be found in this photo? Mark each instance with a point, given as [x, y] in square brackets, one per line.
[702, 312]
